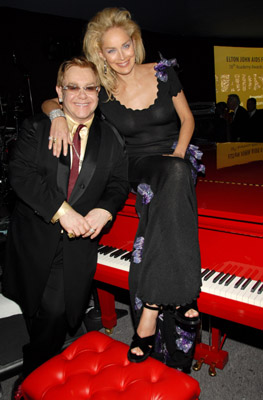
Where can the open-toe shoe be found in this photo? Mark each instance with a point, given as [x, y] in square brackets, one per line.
[180, 316]
[146, 344]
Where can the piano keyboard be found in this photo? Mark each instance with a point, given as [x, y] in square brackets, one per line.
[223, 284]
[233, 287]
[115, 258]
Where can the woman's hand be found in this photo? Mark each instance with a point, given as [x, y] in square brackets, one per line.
[175, 154]
[187, 124]
[59, 136]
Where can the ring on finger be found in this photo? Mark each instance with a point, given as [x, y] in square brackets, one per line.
[54, 140]
[71, 235]
[50, 138]
[92, 230]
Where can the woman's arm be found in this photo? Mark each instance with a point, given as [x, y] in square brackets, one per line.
[50, 105]
[59, 129]
[187, 124]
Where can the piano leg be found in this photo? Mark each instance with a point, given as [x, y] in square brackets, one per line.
[108, 312]
[211, 354]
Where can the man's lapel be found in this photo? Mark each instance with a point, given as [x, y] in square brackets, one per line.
[63, 173]
[89, 162]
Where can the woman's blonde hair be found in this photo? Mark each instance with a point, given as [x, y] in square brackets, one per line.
[92, 44]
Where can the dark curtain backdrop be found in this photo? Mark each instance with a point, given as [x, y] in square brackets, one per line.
[33, 45]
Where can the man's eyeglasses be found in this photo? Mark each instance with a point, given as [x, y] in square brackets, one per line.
[76, 89]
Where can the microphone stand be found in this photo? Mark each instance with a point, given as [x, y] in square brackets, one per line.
[30, 93]
[26, 75]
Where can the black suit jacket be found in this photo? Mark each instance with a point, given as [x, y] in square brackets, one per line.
[40, 181]
[238, 128]
[255, 127]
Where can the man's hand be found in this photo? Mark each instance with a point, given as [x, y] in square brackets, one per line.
[75, 223]
[97, 219]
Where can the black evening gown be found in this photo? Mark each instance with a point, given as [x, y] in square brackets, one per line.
[165, 267]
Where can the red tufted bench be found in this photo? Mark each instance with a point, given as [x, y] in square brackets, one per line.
[96, 367]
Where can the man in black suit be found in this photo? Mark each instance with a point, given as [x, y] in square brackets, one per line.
[255, 121]
[53, 235]
[239, 120]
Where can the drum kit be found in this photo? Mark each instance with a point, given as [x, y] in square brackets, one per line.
[14, 107]
[11, 115]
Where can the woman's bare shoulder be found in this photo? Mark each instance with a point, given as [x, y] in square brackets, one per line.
[147, 69]
[149, 66]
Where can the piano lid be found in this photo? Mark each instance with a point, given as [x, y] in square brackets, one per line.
[229, 199]
[234, 194]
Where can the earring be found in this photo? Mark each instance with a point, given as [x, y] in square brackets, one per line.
[60, 101]
[105, 67]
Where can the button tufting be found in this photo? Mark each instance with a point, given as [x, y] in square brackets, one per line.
[96, 363]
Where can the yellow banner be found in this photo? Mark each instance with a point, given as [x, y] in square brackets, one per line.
[239, 70]
[235, 153]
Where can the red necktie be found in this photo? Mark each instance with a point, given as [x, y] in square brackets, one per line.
[75, 161]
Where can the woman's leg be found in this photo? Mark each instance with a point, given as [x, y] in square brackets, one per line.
[165, 266]
[147, 326]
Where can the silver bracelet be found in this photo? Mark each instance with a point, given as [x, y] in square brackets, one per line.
[55, 114]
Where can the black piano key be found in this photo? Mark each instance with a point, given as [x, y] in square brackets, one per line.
[107, 249]
[118, 253]
[127, 256]
[232, 277]
[239, 282]
[208, 276]
[204, 272]
[260, 290]
[254, 288]
[103, 248]
[222, 280]
[245, 284]
[218, 277]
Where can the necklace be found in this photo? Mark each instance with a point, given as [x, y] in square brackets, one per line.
[77, 154]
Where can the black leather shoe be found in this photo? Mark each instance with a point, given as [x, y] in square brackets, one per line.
[17, 390]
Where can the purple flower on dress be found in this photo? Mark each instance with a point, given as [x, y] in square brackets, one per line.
[185, 340]
[194, 154]
[138, 303]
[137, 253]
[161, 67]
[146, 192]
[160, 347]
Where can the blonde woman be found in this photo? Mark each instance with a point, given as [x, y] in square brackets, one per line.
[144, 102]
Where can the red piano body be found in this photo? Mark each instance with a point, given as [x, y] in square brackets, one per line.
[230, 213]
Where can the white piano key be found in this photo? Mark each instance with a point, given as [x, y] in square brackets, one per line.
[254, 298]
[256, 286]
[243, 295]
[216, 288]
[229, 291]
[114, 262]
[208, 285]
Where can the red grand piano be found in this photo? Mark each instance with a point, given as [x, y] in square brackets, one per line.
[230, 212]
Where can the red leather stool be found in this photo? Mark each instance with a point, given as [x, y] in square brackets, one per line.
[96, 367]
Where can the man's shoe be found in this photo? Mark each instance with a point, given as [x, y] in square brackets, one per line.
[17, 390]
